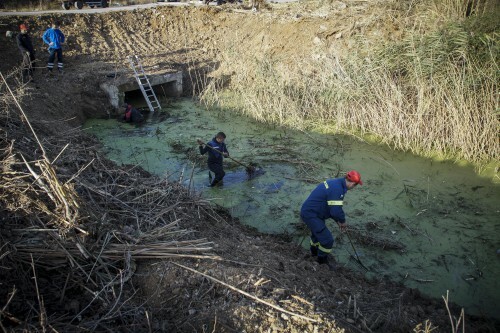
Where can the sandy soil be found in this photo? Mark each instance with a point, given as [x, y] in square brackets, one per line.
[267, 267]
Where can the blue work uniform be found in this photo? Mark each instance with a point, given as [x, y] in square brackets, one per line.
[56, 37]
[324, 202]
[215, 158]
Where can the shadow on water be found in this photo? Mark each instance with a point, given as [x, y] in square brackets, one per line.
[241, 176]
[432, 225]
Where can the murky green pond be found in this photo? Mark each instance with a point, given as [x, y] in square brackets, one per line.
[429, 224]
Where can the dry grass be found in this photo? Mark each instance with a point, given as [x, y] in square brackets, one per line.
[70, 238]
[457, 9]
[433, 93]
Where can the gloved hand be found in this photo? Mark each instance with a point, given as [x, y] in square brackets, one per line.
[201, 143]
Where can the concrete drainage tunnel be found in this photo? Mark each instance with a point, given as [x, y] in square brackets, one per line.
[121, 89]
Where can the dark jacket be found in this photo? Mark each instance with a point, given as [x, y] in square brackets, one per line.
[132, 115]
[326, 201]
[214, 156]
[24, 44]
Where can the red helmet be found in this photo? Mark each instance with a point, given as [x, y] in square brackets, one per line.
[354, 176]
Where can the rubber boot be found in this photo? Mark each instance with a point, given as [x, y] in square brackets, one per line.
[326, 261]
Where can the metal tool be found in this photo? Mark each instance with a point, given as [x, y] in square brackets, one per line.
[354, 249]
[249, 168]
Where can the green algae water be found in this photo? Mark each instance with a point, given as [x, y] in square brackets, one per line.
[429, 224]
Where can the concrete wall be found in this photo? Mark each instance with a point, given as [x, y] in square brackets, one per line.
[167, 83]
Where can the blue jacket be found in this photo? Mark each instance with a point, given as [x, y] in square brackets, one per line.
[326, 201]
[213, 156]
[55, 36]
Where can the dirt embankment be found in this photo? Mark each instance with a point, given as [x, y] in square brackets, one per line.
[269, 268]
[190, 39]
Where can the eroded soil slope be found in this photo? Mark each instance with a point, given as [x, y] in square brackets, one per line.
[270, 268]
[191, 38]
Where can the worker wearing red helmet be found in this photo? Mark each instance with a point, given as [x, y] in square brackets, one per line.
[324, 202]
[27, 51]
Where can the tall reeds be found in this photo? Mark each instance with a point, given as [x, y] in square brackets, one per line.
[456, 9]
[432, 93]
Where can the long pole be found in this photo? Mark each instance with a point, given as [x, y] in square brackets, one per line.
[354, 249]
[248, 167]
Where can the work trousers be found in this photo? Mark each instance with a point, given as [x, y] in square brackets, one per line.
[28, 65]
[52, 56]
[321, 237]
[218, 170]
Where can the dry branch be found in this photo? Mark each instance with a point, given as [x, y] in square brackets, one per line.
[81, 223]
[248, 295]
[376, 241]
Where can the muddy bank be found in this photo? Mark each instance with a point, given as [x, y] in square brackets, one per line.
[186, 38]
[209, 43]
[112, 199]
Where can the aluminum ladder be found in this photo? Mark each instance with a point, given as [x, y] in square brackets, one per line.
[144, 85]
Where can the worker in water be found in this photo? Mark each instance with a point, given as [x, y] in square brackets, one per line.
[324, 202]
[132, 115]
[28, 52]
[217, 150]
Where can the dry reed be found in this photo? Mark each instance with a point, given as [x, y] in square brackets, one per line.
[70, 240]
[457, 9]
[432, 93]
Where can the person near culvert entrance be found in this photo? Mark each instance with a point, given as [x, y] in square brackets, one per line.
[132, 115]
[216, 150]
[324, 202]
[27, 51]
[54, 38]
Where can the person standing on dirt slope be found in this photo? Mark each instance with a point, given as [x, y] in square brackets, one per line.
[27, 51]
[132, 115]
[54, 38]
[217, 150]
[324, 202]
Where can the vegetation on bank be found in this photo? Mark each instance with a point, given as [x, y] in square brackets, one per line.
[434, 92]
[60, 278]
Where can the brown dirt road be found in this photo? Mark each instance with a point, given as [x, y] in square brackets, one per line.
[189, 38]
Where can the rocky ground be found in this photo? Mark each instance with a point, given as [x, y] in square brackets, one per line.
[252, 282]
